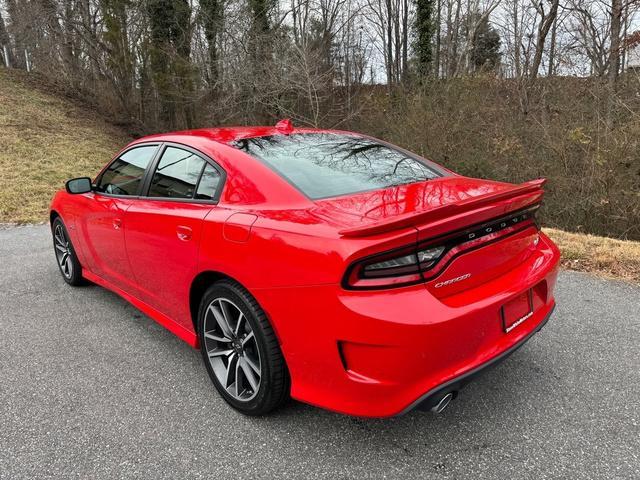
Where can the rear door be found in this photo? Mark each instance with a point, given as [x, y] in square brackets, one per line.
[164, 227]
[102, 223]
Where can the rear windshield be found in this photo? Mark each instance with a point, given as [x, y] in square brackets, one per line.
[325, 165]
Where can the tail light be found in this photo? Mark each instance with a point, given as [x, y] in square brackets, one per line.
[420, 262]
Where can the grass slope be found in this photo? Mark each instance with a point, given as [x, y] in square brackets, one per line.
[45, 139]
[603, 256]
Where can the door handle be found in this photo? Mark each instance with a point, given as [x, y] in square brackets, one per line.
[117, 223]
[184, 233]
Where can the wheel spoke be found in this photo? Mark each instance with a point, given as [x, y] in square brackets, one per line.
[63, 259]
[219, 353]
[252, 364]
[229, 369]
[247, 338]
[249, 375]
[224, 308]
[238, 324]
[238, 391]
[60, 237]
[68, 264]
[217, 338]
[61, 248]
[222, 321]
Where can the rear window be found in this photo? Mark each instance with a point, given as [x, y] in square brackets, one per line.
[325, 165]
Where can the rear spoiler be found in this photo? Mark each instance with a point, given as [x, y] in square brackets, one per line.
[407, 220]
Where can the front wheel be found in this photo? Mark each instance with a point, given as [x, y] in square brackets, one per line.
[66, 257]
[240, 350]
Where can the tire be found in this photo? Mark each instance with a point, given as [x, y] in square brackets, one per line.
[231, 353]
[66, 257]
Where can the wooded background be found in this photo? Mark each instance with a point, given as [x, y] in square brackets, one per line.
[507, 89]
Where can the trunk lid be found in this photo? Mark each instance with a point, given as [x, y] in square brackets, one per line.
[433, 207]
[486, 227]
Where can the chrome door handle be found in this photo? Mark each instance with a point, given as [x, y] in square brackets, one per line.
[184, 233]
[117, 223]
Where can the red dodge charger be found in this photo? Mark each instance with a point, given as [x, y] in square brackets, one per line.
[323, 265]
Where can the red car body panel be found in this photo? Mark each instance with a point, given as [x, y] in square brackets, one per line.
[356, 351]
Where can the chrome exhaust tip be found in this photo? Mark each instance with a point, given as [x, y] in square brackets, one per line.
[442, 403]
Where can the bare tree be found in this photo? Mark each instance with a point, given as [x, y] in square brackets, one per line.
[547, 20]
[615, 42]
[391, 31]
[5, 44]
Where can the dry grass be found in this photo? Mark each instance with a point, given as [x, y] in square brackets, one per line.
[45, 140]
[600, 255]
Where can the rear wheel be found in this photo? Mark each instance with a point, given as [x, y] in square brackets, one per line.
[65, 254]
[240, 350]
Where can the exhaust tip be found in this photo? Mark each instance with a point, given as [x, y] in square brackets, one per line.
[442, 403]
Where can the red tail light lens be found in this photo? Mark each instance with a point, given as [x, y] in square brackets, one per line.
[396, 268]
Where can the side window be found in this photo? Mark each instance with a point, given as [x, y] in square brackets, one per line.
[124, 175]
[208, 183]
[176, 175]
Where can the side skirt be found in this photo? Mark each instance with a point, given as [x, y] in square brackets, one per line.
[174, 327]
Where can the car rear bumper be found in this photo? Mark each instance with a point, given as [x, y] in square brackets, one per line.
[381, 353]
[430, 399]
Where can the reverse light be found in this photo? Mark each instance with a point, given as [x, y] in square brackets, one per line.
[426, 258]
[399, 267]
[403, 261]
[409, 263]
[398, 263]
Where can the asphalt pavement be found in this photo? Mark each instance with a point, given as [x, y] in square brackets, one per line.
[92, 388]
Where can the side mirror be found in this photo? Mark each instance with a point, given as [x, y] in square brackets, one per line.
[78, 185]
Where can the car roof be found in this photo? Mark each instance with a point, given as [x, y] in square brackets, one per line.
[253, 183]
[228, 135]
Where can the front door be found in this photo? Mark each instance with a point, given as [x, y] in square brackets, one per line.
[102, 224]
[164, 227]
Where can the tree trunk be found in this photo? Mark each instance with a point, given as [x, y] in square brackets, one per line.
[455, 37]
[543, 30]
[516, 41]
[398, 46]
[552, 48]
[436, 67]
[614, 50]
[614, 59]
[424, 35]
[390, 73]
[5, 43]
[212, 11]
[18, 34]
[405, 41]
